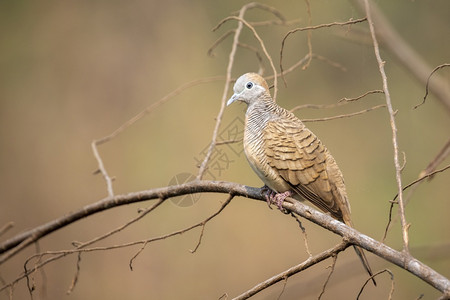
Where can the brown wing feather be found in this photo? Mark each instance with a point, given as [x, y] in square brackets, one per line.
[301, 160]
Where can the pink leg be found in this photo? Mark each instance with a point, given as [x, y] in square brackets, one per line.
[280, 197]
[274, 197]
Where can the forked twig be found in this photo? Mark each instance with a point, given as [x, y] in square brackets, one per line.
[387, 95]
[294, 270]
[393, 201]
[329, 276]
[312, 28]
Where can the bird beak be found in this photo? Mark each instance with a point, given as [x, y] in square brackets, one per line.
[232, 99]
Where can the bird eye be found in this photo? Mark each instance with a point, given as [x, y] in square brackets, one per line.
[249, 85]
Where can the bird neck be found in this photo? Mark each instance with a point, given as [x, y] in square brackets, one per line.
[257, 115]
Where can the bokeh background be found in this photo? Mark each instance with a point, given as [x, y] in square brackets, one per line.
[72, 72]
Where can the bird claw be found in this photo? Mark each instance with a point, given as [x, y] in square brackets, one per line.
[269, 194]
[273, 197]
[279, 199]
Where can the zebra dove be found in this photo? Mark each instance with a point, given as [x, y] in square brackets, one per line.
[288, 157]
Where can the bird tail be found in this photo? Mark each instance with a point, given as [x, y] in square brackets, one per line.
[359, 251]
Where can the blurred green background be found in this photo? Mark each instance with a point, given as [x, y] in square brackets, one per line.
[72, 72]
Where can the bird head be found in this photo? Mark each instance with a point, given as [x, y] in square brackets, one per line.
[249, 88]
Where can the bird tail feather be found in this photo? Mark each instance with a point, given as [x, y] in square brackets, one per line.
[359, 251]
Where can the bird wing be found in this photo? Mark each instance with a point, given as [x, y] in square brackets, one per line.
[301, 160]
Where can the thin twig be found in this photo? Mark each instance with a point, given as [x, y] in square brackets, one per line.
[341, 102]
[158, 103]
[405, 54]
[393, 126]
[219, 41]
[199, 239]
[142, 214]
[94, 145]
[102, 169]
[428, 82]
[329, 276]
[237, 33]
[422, 177]
[275, 22]
[219, 143]
[312, 28]
[6, 227]
[231, 56]
[412, 184]
[261, 42]
[258, 56]
[391, 292]
[439, 158]
[305, 236]
[77, 274]
[361, 96]
[346, 115]
[293, 270]
[58, 254]
[283, 289]
[130, 264]
[308, 38]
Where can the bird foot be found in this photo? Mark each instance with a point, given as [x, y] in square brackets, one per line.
[269, 194]
[279, 199]
[275, 198]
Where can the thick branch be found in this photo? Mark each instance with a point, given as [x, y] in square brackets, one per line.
[398, 258]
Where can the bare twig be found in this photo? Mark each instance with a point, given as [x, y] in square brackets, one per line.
[422, 177]
[439, 158]
[308, 39]
[293, 270]
[428, 83]
[258, 56]
[346, 115]
[283, 289]
[102, 169]
[305, 236]
[58, 254]
[398, 258]
[333, 264]
[361, 96]
[142, 214]
[6, 227]
[391, 293]
[275, 22]
[393, 126]
[199, 239]
[77, 274]
[261, 43]
[94, 145]
[312, 28]
[234, 46]
[396, 45]
[341, 102]
[219, 41]
[393, 201]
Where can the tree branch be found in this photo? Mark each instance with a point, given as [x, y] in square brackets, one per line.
[401, 259]
[294, 270]
[395, 44]
[387, 95]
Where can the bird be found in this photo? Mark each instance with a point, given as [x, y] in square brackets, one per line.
[288, 157]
